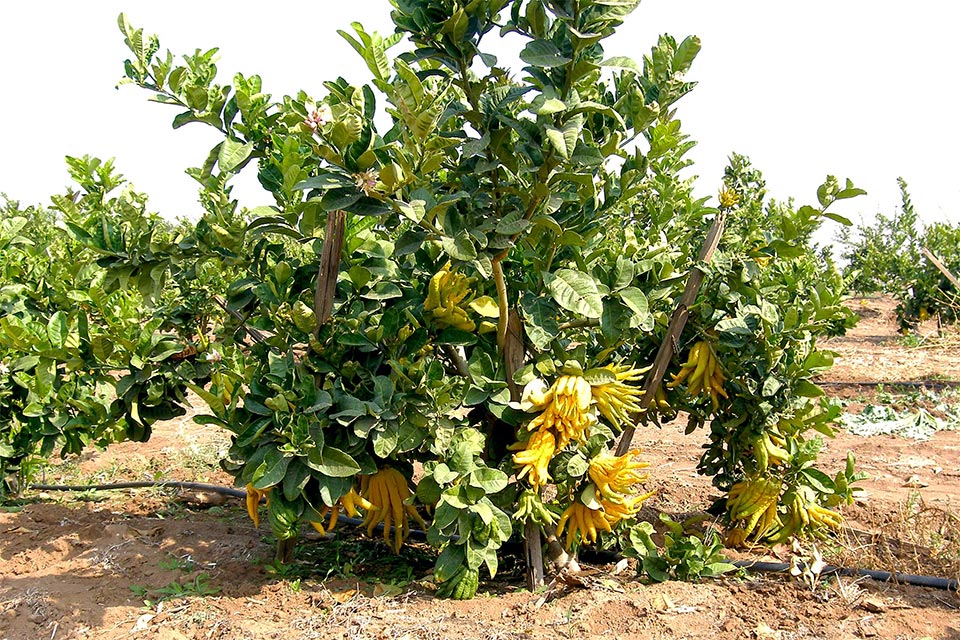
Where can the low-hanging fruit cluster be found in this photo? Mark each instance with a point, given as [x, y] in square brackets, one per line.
[447, 297]
[803, 513]
[701, 373]
[387, 491]
[607, 500]
[752, 505]
[568, 411]
[254, 496]
[530, 508]
[584, 523]
[614, 476]
[462, 585]
[350, 502]
[566, 415]
[534, 457]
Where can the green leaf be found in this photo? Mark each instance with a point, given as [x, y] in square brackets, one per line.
[589, 497]
[490, 480]
[599, 376]
[274, 468]
[541, 53]
[233, 154]
[333, 462]
[456, 337]
[838, 218]
[770, 386]
[57, 329]
[428, 491]
[575, 291]
[449, 562]
[512, 224]
[539, 319]
[324, 181]
[565, 140]
[622, 63]
[460, 247]
[818, 480]
[444, 474]
[548, 106]
[383, 291]
[577, 465]
[637, 302]
[736, 326]
[807, 389]
[686, 52]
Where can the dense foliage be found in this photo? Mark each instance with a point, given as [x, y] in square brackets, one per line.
[888, 256]
[87, 356]
[475, 292]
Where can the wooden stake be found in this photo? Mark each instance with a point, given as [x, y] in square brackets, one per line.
[675, 328]
[326, 289]
[942, 267]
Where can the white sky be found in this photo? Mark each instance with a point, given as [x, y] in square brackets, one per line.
[863, 89]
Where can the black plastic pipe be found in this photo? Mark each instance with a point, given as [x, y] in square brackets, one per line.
[145, 484]
[883, 576]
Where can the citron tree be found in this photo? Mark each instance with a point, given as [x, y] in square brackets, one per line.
[458, 310]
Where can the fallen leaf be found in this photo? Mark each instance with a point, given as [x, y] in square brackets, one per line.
[914, 482]
[874, 605]
[343, 596]
[387, 590]
[142, 623]
[764, 632]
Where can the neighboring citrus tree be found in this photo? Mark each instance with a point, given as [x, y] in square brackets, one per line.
[459, 311]
[89, 356]
[887, 256]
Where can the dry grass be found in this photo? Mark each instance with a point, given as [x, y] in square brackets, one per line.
[913, 537]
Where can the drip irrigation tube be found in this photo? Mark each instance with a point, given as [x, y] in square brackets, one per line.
[146, 484]
[948, 584]
[883, 576]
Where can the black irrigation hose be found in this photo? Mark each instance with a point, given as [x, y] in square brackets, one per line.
[173, 484]
[948, 584]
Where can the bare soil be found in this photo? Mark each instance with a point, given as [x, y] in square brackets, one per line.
[82, 565]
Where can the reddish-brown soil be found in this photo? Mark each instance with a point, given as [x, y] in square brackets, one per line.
[81, 566]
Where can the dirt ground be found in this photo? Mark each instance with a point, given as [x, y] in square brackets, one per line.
[83, 565]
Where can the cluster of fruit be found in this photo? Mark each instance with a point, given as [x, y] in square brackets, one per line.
[447, 297]
[567, 410]
[607, 500]
[701, 373]
[617, 400]
[384, 497]
[387, 492]
[754, 508]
